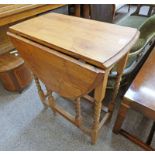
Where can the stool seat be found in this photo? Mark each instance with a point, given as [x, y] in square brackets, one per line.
[14, 74]
[9, 61]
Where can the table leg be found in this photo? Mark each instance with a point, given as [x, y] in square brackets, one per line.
[120, 68]
[150, 137]
[120, 118]
[51, 100]
[99, 96]
[40, 91]
[78, 116]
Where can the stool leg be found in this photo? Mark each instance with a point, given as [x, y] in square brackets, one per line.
[120, 118]
[150, 137]
[15, 81]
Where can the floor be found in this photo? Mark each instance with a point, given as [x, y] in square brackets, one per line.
[26, 125]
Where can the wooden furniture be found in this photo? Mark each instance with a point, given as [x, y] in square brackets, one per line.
[79, 10]
[68, 61]
[11, 14]
[14, 74]
[117, 7]
[136, 18]
[102, 12]
[139, 97]
[138, 52]
[150, 11]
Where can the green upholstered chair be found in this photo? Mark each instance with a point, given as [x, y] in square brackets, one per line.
[147, 34]
[136, 19]
[132, 21]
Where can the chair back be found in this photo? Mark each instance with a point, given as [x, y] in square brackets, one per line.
[102, 12]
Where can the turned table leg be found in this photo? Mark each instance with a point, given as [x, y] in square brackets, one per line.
[120, 67]
[50, 99]
[78, 116]
[99, 95]
[40, 91]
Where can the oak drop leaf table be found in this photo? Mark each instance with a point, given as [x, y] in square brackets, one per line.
[73, 56]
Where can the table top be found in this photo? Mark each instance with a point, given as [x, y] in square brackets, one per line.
[10, 13]
[8, 9]
[98, 43]
[142, 89]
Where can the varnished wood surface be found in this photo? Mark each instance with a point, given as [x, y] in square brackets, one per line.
[142, 90]
[60, 72]
[97, 43]
[5, 44]
[11, 13]
[56, 47]
[15, 8]
[141, 97]
[9, 61]
[14, 74]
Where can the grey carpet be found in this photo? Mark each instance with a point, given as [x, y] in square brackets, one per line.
[26, 125]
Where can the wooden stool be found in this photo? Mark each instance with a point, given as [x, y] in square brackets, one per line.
[140, 97]
[14, 75]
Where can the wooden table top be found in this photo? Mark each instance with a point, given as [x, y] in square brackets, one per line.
[142, 89]
[9, 9]
[100, 44]
[10, 13]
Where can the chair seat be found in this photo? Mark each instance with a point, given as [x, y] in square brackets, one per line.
[132, 21]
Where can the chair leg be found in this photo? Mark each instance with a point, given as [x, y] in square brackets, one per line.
[129, 5]
[150, 137]
[120, 118]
